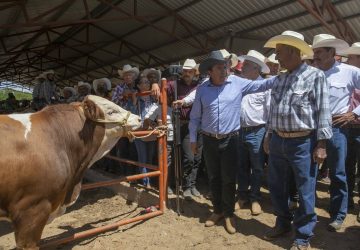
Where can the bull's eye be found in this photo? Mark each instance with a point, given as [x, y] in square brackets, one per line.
[110, 113]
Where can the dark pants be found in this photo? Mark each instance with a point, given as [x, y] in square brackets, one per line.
[127, 150]
[353, 157]
[293, 155]
[336, 157]
[190, 163]
[145, 152]
[251, 163]
[221, 161]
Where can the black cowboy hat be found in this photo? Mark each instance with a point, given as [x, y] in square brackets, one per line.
[214, 58]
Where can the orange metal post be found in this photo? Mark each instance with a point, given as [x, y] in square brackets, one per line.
[164, 121]
[117, 181]
[135, 163]
[102, 229]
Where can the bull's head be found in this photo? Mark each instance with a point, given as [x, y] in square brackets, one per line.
[116, 119]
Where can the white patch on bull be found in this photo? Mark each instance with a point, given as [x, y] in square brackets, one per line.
[114, 115]
[25, 121]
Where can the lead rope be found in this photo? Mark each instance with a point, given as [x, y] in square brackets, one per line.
[161, 130]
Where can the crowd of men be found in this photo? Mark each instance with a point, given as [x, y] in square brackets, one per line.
[290, 111]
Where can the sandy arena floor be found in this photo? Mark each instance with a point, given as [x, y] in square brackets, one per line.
[170, 231]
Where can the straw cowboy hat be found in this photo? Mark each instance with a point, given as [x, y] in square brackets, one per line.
[258, 58]
[326, 40]
[146, 72]
[71, 89]
[86, 84]
[107, 82]
[234, 59]
[128, 68]
[290, 38]
[272, 59]
[189, 64]
[353, 50]
[214, 58]
[308, 57]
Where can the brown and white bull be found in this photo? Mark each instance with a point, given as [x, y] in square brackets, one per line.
[43, 157]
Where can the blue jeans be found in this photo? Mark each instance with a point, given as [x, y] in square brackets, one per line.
[146, 151]
[286, 155]
[251, 163]
[353, 156]
[336, 157]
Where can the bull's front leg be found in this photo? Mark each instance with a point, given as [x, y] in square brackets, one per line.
[29, 224]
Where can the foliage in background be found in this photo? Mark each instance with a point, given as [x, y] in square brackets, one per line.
[18, 94]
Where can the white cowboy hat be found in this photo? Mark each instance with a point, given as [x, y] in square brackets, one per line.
[326, 40]
[290, 38]
[81, 83]
[189, 64]
[152, 70]
[353, 50]
[107, 82]
[129, 68]
[233, 57]
[272, 59]
[258, 58]
[71, 89]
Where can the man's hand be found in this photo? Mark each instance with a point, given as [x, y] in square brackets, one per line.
[344, 119]
[155, 90]
[178, 104]
[319, 154]
[266, 144]
[194, 148]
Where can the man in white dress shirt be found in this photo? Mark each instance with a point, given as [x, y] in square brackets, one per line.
[343, 80]
[254, 114]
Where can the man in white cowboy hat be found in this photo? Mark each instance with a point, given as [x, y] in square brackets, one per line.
[216, 114]
[299, 125]
[353, 54]
[129, 74]
[69, 94]
[83, 89]
[353, 146]
[343, 80]
[44, 92]
[102, 87]
[153, 75]
[253, 118]
[273, 64]
[190, 162]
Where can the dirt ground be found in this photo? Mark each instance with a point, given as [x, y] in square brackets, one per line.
[170, 231]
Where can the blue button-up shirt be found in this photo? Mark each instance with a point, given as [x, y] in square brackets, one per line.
[216, 109]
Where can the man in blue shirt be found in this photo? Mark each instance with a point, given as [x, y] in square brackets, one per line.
[216, 113]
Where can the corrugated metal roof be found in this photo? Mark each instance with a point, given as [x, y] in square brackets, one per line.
[142, 32]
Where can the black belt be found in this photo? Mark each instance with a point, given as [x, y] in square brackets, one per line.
[352, 126]
[252, 128]
[220, 136]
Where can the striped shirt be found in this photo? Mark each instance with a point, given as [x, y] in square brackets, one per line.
[300, 102]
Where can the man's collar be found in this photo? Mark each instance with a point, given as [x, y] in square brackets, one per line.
[301, 67]
[210, 84]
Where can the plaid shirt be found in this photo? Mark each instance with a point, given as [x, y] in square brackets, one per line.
[300, 102]
[119, 98]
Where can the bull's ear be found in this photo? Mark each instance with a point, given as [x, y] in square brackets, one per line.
[92, 111]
